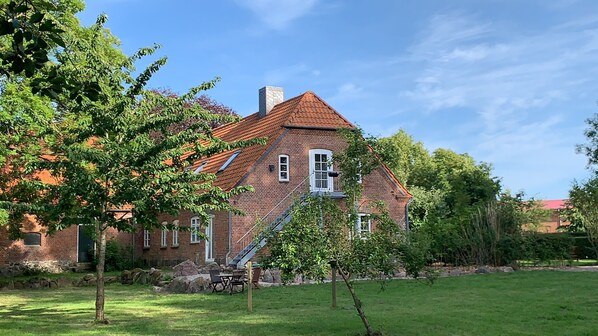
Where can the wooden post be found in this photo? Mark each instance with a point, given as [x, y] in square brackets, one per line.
[333, 265]
[249, 285]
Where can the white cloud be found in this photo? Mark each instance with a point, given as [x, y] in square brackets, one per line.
[516, 85]
[278, 14]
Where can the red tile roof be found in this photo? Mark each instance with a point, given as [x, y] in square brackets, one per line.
[305, 111]
[554, 204]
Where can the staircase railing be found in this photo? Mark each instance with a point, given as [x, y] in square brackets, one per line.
[270, 218]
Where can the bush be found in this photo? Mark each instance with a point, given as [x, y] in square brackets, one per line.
[546, 247]
[583, 248]
[118, 257]
[510, 249]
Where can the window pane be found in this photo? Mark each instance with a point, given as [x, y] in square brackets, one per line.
[283, 159]
[32, 238]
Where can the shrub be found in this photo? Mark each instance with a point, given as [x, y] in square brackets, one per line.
[118, 257]
[541, 248]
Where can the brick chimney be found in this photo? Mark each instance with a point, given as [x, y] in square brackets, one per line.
[269, 97]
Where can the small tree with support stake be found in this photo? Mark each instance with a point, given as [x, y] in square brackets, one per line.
[334, 242]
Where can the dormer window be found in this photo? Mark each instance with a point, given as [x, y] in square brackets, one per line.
[283, 168]
[201, 166]
[229, 161]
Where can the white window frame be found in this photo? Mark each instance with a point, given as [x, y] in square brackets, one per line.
[175, 233]
[280, 168]
[195, 225]
[313, 173]
[229, 161]
[209, 255]
[200, 167]
[359, 176]
[146, 238]
[164, 235]
[363, 234]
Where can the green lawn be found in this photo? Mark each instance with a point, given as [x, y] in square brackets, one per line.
[520, 303]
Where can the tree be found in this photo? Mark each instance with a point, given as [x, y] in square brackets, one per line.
[405, 157]
[204, 102]
[331, 227]
[448, 189]
[100, 148]
[583, 208]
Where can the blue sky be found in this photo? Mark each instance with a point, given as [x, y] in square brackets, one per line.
[509, 82]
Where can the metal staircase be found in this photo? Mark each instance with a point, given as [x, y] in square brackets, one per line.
[256, 237]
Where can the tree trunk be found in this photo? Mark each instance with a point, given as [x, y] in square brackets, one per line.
[357, 302]
[101, 255]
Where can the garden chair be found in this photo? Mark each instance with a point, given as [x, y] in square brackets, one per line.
[257, 273]
[238, 279]
[216, 280]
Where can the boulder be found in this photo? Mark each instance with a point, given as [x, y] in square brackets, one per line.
[483, 270]
[88, 277]
[126, 277]
[505, 269]
[267, 277]
[276, 278]
[155, 277]
[188, 284]
[186, 268]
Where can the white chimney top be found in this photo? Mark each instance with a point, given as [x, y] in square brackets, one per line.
[270, 96]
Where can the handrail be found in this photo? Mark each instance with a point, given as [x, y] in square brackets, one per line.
[285, 199]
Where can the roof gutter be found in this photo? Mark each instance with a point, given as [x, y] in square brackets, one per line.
[317, 128]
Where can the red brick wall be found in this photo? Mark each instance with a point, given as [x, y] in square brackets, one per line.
[60, 246]
[172, 255]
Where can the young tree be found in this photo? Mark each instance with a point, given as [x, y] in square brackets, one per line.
[100, 149]
[331, 227]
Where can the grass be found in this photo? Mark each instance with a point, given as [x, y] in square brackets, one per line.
[520, 303]
[553, 263]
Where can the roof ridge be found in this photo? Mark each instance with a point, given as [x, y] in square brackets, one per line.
[293, 115]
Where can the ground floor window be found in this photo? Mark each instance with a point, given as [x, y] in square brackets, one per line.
[164, 236]
[363, 226]
[195, 230]
[175, 233]
[146, 238]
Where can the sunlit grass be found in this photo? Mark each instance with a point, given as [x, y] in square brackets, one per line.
[520, 303]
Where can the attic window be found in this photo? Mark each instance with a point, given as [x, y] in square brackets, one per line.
[228, 162]
[198, 169]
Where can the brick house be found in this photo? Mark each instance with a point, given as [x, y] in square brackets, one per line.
[302, 137]
[556, 220]
[63, 250]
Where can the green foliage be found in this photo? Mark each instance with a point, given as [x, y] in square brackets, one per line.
[302, 247]
[118, 257]
[447, 187]
[542, 248]
[584, 248]
[583, 208]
